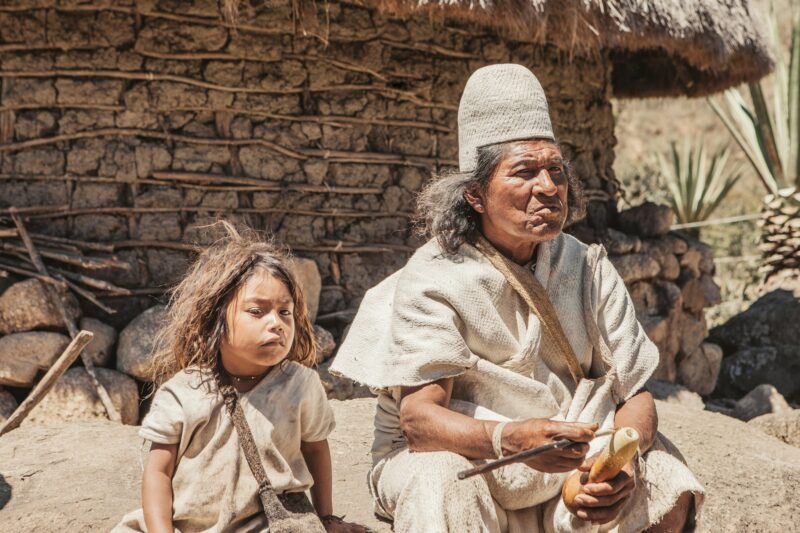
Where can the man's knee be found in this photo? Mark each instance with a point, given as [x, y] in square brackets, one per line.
[432, 497]
[436, 473]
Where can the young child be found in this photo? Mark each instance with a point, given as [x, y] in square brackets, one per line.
[238, 318]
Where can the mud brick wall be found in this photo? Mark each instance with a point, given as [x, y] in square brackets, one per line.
[139, 122]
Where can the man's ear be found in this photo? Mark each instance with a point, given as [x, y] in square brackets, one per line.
[474, 197]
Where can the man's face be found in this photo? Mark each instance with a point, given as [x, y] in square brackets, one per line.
[526, 200]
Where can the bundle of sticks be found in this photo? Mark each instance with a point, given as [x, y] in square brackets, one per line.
[25, 258]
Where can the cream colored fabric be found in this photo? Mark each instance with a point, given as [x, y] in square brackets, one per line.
[458, 317]
[213, 488]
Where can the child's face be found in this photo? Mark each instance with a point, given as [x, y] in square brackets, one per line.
[260, 321]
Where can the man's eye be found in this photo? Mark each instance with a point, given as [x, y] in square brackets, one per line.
[556, 170]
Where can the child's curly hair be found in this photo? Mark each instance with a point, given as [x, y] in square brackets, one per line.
[196, 314]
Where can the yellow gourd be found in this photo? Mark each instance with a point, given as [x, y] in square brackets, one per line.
[617, 453]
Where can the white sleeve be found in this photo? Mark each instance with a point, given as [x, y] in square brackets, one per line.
[316, 415]
[633, 356]
[164, 422]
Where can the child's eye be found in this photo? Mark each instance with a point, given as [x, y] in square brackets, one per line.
[286, 312]
[255, 311]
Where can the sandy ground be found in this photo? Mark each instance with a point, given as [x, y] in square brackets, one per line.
[85, 476]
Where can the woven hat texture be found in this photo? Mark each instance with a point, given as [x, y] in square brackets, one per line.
[500, 103]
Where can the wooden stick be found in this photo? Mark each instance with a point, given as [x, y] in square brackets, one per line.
[334, 248]
[330, 120]
[67, 357]
[91, 282]
[31, 274]
[86, 245]
[124, 210]
[240, 180]
[72, 328]
[64, 284]
[302, 154]
[93, 107]
[142, 291]
[205, 21]
[156, 76]
[87, 295]
[223, 56]
[429, 49]
[92, 263]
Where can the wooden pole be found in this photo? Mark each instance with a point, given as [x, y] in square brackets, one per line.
[113, 415]
[41, 389]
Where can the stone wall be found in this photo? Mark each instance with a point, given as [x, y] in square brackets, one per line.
[139, 123]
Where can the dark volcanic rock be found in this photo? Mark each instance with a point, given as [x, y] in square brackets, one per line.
[761, 345]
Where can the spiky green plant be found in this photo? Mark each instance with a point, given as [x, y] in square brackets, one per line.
[697, 183]
[769, 134]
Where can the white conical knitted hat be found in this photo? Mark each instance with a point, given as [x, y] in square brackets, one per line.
[500, 103]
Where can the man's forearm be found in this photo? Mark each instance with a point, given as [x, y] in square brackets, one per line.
[639, 412]
[437, 428]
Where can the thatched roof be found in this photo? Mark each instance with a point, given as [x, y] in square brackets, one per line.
[658, 47]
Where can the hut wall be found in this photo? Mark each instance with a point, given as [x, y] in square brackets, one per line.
[132, 118]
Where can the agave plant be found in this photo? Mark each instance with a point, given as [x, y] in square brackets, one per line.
[768, 132]
[697, 183]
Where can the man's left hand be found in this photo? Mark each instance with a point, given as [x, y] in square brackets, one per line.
[600, 503]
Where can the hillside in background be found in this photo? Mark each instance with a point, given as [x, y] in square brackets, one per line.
[646, 127]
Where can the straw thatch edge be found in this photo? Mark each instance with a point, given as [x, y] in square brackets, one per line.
[657, 47]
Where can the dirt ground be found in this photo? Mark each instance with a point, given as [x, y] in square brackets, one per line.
[85, 476]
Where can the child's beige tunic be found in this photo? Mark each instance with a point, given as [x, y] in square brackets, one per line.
[213, 488]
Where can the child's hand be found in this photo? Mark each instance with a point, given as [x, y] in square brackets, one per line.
[334, 524]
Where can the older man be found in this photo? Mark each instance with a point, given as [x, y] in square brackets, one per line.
[480, 345]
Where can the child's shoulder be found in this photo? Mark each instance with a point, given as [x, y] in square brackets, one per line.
[296, 371]
[190, 382]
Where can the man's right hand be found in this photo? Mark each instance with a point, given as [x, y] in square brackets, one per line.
[535, 432]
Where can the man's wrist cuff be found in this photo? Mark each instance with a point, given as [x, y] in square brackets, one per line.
[497, 439]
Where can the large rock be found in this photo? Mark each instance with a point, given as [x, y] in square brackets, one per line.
[8, 405]
[675, 394]
[135, 347]
[27, 305]
[325, 343]
[635, 267]
[647, 220]
[762, 400]
[307, 274]
[692, 331]
[699, 369]
[23, 355]
[340, 387]
[783, 426]
[93, 476]
[74, 398]
[101, 348]
[761, 345]
[618, 243]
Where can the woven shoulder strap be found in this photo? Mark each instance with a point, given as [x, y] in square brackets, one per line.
[248, 445]
[533, 294]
